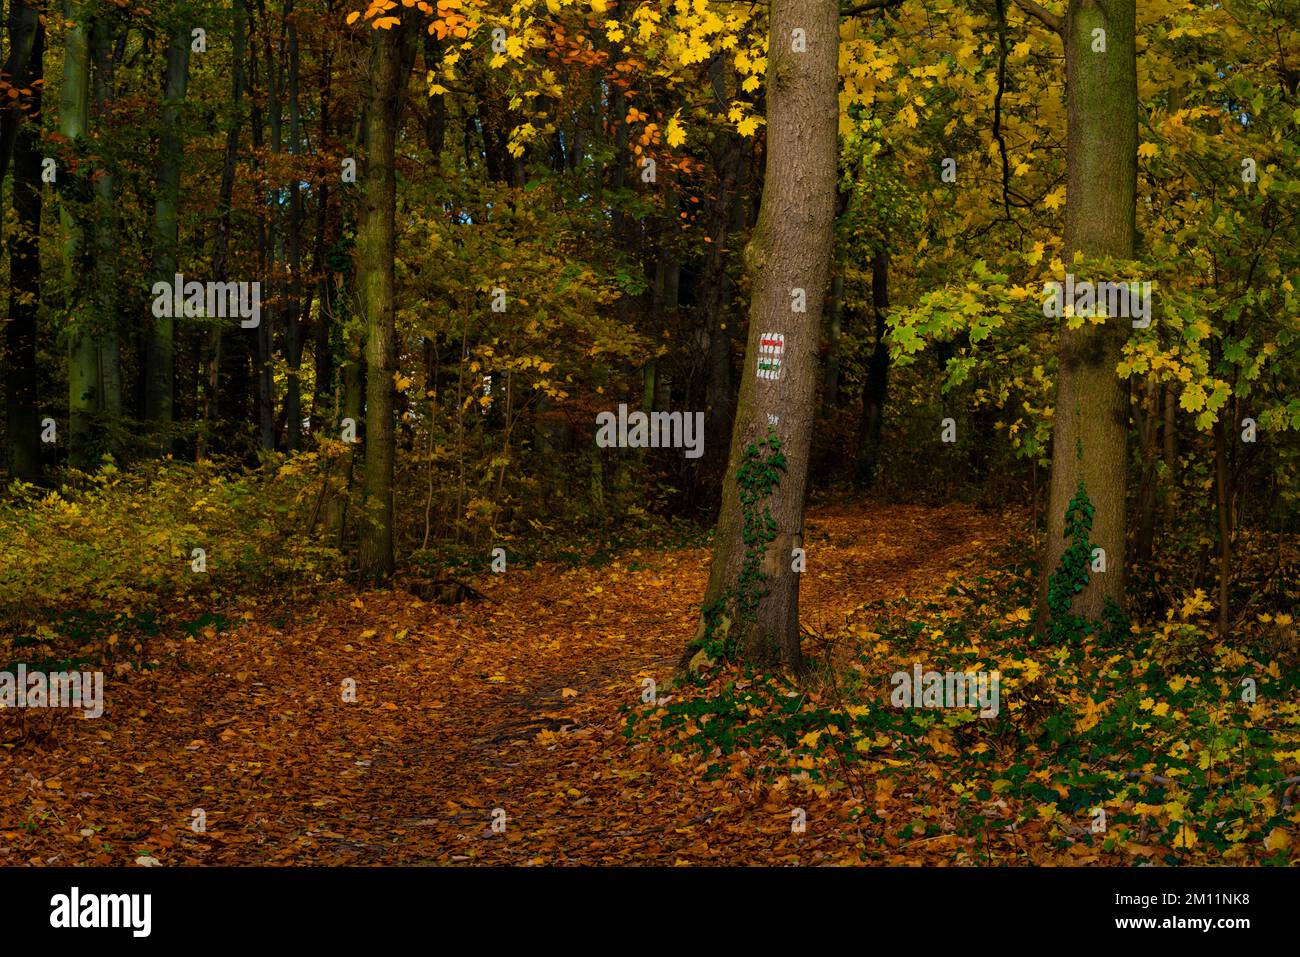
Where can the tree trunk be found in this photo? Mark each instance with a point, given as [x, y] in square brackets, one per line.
[354, 400]
[751, 606]
[323, 353]
[835, 313]
[20, 70]
[376, 250]
[293, 315]
[834, 333]
[26, 33]
[228, 357]
[1223, 507]
[268, 239]
[1169, 436]
[103, 39]
[729, 157]
[875, 387]
[1090, 432]
[74, 117]
[1149, 415]
[160, 360]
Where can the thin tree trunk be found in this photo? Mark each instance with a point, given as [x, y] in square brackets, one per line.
[354, 395]
[1223, 506]
[323, 352]
[345, 301]
[19, 368]
[292, 326]
[875, 387]
[1149, 412]
[20, 71]
[729, 158]
[1169, 436]
[835, 315]
[269, 234]
[834, 333]
[232, 356]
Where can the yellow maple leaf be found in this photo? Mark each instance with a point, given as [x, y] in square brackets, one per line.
[675, 134]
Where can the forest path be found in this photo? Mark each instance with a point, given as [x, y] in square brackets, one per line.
[512, 704]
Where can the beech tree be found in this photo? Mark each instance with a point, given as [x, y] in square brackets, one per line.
[160, 358]
[751, 605]
[1090, 423]
[74, 115]
[391, 55]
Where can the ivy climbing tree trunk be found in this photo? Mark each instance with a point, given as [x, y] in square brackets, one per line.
[376, 252]
[751, 606]
[1090, 424]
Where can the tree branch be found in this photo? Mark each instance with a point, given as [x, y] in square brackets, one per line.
[997, 104]
[1045, 16]
[869, 6]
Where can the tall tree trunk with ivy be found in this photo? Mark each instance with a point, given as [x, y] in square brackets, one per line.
[751, 605]
[1090, 423]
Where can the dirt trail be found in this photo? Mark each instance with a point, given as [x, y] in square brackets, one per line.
[460, 710]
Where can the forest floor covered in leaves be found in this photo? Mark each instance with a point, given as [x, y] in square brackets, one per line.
[514, 703]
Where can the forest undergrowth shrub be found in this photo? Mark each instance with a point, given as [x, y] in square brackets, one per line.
[110, 559]
[1142, 741]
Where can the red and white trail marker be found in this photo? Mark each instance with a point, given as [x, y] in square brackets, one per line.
[771, 350]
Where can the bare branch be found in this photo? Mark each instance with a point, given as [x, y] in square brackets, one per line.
[1045, 16]
[869, 6]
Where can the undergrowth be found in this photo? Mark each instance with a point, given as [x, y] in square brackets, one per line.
[1113, 740]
